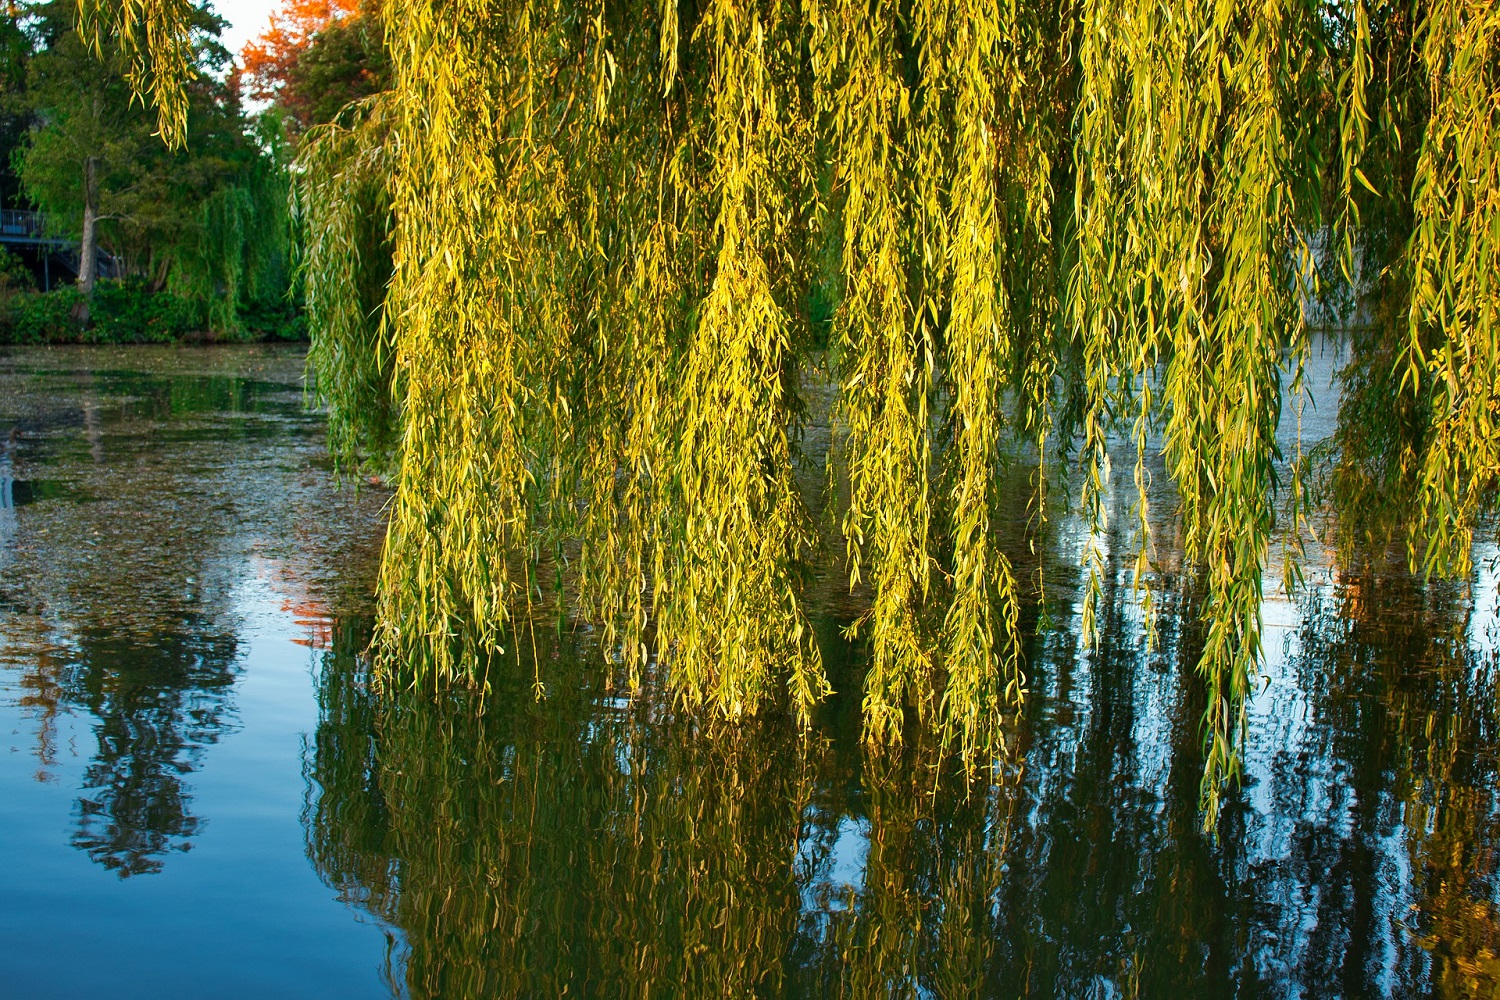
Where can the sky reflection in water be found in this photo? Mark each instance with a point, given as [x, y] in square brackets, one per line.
[201, 796]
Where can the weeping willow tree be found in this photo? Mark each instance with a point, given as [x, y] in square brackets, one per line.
[155, 39]
[564, 268]
[239, 253]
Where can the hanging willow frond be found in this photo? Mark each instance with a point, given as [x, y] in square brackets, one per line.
[343, 202]
[884, 339]
[155, 40]
[606, 220]
[732, 615]
[1454, 351]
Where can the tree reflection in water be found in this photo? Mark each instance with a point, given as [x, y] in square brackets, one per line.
[1405, 700]
[172, 479]
[587, 845]
[158, 706]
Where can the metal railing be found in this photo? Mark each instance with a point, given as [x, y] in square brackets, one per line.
[29, 229]
[17, 223]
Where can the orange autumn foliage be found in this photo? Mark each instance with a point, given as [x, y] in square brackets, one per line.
[270, 59]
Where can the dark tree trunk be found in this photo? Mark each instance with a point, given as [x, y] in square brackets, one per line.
[88, 253]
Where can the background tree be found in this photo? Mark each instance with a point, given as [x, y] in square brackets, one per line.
[15, 50]
[206, 217]
[318, 56]
[92, 144]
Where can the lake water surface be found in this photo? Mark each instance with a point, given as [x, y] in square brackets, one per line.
[201, 796]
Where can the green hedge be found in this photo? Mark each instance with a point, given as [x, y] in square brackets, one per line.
[130, 313]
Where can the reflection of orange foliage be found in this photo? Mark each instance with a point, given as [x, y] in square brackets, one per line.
[314, 616]
[307, 609]
[270, 58]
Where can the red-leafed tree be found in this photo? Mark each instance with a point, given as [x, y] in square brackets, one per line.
[317, 56]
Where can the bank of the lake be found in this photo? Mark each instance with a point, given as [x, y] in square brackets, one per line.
[133, 313]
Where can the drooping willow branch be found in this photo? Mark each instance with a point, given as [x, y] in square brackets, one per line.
[1068, 223]
[155, 41]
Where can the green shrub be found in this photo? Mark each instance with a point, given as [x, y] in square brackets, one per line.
[128, 312]
[272, 319]
[14, 276]
[39, 317]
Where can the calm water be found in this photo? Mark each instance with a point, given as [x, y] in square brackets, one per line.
[201, 796]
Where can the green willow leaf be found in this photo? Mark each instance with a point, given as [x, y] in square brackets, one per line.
[579, 273]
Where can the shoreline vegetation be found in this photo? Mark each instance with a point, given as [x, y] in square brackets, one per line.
[111, 235]
[126, 312]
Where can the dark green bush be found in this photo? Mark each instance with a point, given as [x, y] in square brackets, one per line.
[130, 313]
[275, 319]
[14, 277]
[39, 318]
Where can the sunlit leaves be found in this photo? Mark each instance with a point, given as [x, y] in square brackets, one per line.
[606, 220]
[1455, 282]
[154, 38]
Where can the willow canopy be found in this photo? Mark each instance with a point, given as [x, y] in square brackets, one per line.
[572, 269]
